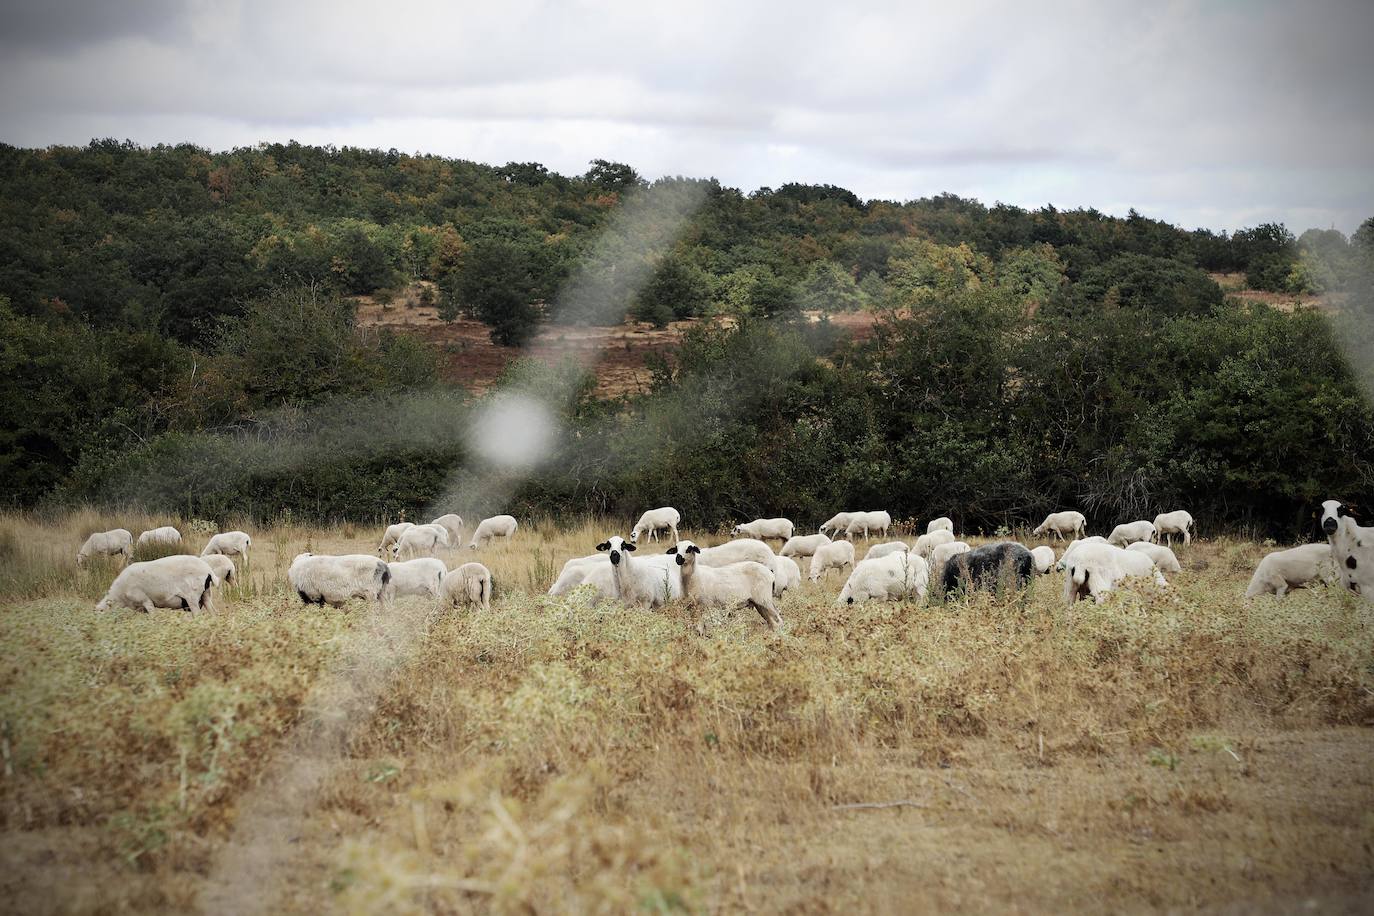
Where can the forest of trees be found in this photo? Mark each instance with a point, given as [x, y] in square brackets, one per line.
[175, 324]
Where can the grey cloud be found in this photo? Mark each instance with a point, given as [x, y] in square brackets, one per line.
[64, 25]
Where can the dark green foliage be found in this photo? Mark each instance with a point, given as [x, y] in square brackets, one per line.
[675, 290]
[498, 284]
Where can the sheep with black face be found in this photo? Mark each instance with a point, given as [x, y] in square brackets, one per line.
[726, 586]
[639, 582]
[1352, 547]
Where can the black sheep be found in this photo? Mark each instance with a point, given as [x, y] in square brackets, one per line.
[983, 567]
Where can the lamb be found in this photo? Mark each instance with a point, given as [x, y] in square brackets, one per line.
[737, 551]
[1164, 557]
[929, 541]
[802, 545]
[638, 582]
[765, 529]
[882, 550]
[117, 542]
[1062, 525]
[1296, 567]
[1352, 548]
[453, 524]
[786, 574]
[1044, 559]
[420, 539]
[837, 522]
[498, 526]
[738, 583]
[177, 581]
[228, 544]
[1168, 524]
[469, 583]
[943, 523]
[890, 578]
[166, 536]
[988, 566]
[336, 579]
[1130, 532]
[655, 520]
[835, 555]
[393, 534]
[421, 577]
[1097, 569]
[221, 567]
[868, 521]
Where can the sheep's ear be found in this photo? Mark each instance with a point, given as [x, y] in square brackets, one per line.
[604, 545]
[694, 549]
[672, 549]
[628, 546]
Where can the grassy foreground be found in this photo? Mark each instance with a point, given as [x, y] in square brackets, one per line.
[1170, 749]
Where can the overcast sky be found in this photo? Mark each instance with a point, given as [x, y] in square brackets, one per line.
[1222, 114]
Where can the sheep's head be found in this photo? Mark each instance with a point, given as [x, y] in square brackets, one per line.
[735, 531]
[686, 552]
[616, 546]
[1333, 510]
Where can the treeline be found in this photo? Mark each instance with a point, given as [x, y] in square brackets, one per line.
[176, 329]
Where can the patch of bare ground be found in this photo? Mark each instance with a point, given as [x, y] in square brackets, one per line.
[1233, 285]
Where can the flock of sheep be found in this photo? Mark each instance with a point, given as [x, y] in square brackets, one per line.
[743, 571]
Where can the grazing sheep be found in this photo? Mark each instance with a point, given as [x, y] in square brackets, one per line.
[498, 526]
[1164, 557]
[926, 543]
[422, 577]
[469, 583]
[655, 520]
[736, 551]
[878, 521]
[1168, 524]
[1283, 570]
[117, 542]
[943, 552]
[393, 534]
[336, 579]
[882, 550]
[1097, 569]
[835, 555]
[1094, 539]
[1044, 559]
[420, 540]
[802, 545]
[943, 523]
[890, 578]
[765, 529]
[1352, 548]
[837, 522]
[1130, 532]
[178, 581]
[638, 582]
[228, 544]
[726, 586]
[988, 566]
[221, 567]
[166, 536]
[786, 574]
[1062, 525]
[453, 524]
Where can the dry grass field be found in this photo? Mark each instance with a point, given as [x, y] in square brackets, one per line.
[1171, 750]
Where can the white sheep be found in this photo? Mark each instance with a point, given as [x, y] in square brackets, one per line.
[228, 544]
[117, 542]
[221, 567]
[1094, 539]
[1129, 532]
[498, 526]
[890, 578]
[1062, 525]
[393, 534]
[786, 574]
[1097, 569]
[837, 522]
[420, 540]
[943, 523]
[1163, 556]
[926, 543]
[728, 586]
[802, 545]
[665, 518]
[739, 550]
[639, 582]
[453, 524]
[470, 583]
[882, 550]
[1044, 559]
[575, 572]
[835, 555]
[1283, 570]
[336, 579]
[422, 577]
[166, 536]
[1352, 548]
[945, 552]
[765, 529]
[1168, 524]
[878, 521]
[179, 581]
